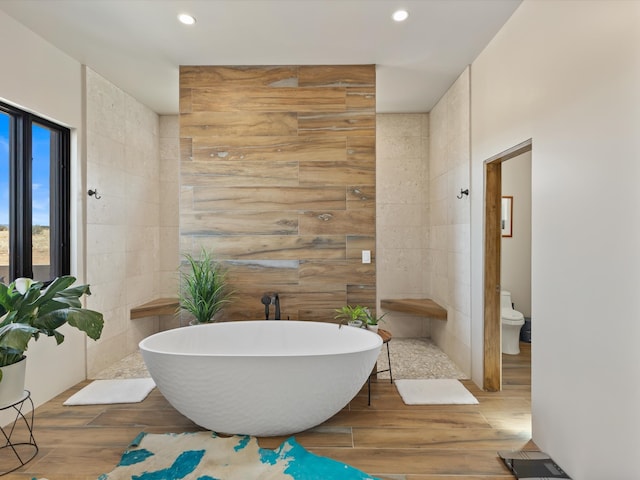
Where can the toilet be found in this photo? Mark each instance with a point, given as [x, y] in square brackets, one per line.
[512, 322]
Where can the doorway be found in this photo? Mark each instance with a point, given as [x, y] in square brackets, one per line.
[492, 372]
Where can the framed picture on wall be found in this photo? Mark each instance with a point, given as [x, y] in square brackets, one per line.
[506, 222]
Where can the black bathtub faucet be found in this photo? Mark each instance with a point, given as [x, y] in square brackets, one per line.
[271, 299]
[266, 301]
[276, 301]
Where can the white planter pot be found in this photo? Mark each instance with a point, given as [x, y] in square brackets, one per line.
[373, 328]
[12, 384]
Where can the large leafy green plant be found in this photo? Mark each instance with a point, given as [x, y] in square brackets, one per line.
[28, 309]
[204, 287]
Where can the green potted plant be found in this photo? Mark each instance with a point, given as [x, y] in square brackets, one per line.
[354, 315]
[204, 291]
[29, 309]
[372, 321]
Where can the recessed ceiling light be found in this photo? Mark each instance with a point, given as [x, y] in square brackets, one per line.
[400, 15]
[186, 19]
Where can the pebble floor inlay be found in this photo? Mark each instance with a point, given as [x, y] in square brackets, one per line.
[410, 358]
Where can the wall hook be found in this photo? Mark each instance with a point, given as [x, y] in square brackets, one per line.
[463, 193]
[94, 192]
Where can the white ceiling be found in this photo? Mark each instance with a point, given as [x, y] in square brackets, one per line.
[139, 44]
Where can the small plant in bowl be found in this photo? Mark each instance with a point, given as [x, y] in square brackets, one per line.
[372, 321]
[354, 315]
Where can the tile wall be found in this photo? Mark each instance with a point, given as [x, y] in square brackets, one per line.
[133, 245]
[169, 214]
[123, 233]
[402, 216]
[449, 236]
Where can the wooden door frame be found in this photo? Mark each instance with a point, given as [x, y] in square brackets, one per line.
[492, 371]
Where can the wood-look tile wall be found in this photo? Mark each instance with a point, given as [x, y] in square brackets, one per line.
[278, 181]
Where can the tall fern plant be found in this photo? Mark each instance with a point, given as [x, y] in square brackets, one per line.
[204, 290]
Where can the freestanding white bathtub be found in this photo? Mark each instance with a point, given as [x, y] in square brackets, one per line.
[261, 377]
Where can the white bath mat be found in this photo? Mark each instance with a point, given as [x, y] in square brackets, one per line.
[126, 390]
[434, 392]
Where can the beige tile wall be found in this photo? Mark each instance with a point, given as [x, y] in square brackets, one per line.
[402, 216]
[449, 240]
[169, 220]
[123, 233]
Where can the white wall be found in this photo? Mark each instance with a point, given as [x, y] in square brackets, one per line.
[39, 78]
[566, 74]
[402, 216]
[449, 239]
[515, 261]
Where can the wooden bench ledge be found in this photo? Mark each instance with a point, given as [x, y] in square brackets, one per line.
[159, 306]
[418, 306]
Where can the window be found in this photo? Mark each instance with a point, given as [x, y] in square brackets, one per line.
[34, 196]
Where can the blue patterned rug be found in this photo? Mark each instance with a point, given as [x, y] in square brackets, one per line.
[206, 456]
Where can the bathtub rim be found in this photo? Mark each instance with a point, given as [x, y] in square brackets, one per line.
[378, 343]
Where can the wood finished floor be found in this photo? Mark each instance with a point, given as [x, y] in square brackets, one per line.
[388, 439]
